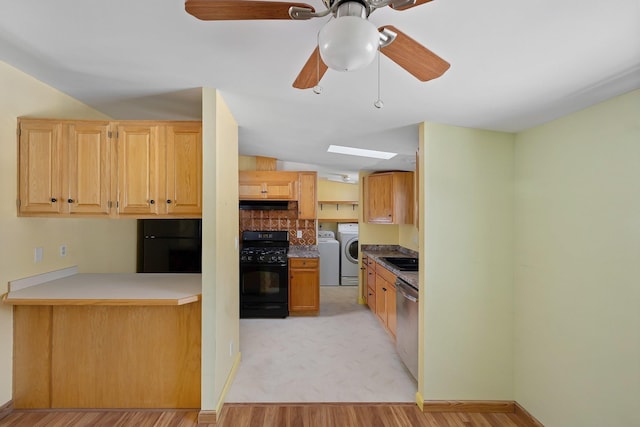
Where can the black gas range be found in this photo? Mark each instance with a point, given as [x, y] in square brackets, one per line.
[264, 276]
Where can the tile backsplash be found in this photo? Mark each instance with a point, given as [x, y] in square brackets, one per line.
[280, 220]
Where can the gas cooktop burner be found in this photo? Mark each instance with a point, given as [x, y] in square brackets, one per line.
[263, 251]
[261, 255]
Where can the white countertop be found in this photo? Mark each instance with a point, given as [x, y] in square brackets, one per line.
[112, 289]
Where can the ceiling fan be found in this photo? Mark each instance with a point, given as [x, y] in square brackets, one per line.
[346, 43]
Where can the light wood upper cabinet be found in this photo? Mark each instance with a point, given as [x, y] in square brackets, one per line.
[64, 168]
[134, 169]
[40, 167]
[184, 169]
[307, 200]
[160, 169]
[388, 198]
[140, 152]
[88, 161]
[304, 286]
[270, 185]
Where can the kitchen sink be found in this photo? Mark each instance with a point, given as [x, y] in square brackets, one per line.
[403, 263]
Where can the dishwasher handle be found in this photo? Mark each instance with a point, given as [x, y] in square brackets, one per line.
[406, 290]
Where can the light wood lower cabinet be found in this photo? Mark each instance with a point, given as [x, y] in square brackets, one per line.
[304, 286]
[107, 356]
[370, 282]
[381, 296]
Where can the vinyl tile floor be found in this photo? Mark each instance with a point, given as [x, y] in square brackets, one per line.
[342, 355]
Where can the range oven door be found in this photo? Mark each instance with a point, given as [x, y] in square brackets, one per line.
[264, 290]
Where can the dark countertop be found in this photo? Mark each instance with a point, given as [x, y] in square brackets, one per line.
[303, 251]
[377, 252]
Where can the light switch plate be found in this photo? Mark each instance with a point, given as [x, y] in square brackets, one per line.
[299, 234]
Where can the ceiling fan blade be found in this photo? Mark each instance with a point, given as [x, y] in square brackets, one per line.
[409, 6]
[225, 10]
[312, 72]
[413, 57]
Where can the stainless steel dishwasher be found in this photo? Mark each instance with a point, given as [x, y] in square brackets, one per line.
[407, 325]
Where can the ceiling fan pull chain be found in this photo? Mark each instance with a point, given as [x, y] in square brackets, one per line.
[317, 89]
[378, 103]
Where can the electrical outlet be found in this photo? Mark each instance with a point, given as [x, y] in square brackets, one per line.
[63, 250]
[299, 234]
[37, 254]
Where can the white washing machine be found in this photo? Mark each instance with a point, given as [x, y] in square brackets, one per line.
[348, 238]
[329, 249]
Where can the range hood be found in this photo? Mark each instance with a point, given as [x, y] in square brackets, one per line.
[264, 205]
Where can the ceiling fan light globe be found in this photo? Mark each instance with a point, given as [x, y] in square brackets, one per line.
[348, 43]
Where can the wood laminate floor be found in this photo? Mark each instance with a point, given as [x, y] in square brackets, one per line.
[269, 415]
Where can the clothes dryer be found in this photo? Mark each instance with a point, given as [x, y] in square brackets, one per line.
[348, 238]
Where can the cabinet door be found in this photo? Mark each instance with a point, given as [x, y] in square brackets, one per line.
[184, 169]
[391, 309]
[370, 284]
[280, 189]
[381, 299]
[87, 177]
[251, 190]
[40, 178]
[371, 298]
[139, 168]
[307, 200]
[275, 185]
[379, 198]
[304, 285]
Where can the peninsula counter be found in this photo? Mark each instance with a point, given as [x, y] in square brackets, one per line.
[107, 341]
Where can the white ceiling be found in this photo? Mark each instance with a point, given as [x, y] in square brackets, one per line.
[514, 64]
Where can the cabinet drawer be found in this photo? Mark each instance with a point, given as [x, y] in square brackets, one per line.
[385, 274]
[303, 262]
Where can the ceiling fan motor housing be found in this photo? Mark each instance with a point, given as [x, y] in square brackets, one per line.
[359, 8]
[349, 42]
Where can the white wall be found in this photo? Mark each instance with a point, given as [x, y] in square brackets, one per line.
[95, 245]
[577, 267]
[466, 228]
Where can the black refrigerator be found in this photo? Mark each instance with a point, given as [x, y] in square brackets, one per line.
[169, 246]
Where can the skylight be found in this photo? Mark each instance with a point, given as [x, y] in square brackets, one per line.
[351, 151]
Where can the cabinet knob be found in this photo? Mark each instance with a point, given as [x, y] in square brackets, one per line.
[53, 200]
[384, 289]
[152, 201]
[69, 200]
[168, 201]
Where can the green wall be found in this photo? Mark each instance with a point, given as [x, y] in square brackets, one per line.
[466, 216]
[577, 267]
